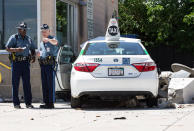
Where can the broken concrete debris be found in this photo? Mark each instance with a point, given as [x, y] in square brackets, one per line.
[182, 90]
[120, 118]
[177, 67]
[164, 80]
[165, 103]
[181, 74]
[32, 119]
[176, 87]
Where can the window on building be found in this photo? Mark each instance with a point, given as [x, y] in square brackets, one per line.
[61, 21]
[1, 24]
[66, 27]
[14, 12]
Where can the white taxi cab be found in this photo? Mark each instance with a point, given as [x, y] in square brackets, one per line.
[113, 67]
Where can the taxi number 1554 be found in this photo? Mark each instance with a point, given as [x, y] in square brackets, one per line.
[97, 59]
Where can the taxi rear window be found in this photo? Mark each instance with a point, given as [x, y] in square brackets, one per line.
[114, 48]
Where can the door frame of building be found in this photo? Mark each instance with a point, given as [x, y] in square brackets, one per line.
[38, 22]
[74, 26]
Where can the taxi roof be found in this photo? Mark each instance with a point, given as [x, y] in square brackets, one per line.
[103, 39]
[124, 39]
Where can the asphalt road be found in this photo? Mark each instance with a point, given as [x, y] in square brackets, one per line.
[99, 118]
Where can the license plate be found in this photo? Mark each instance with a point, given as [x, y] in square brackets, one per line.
[115, 72]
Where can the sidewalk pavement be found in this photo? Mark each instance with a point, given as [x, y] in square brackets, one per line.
[63, 118]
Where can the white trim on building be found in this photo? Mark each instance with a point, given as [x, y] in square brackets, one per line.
[72, 23]
[38, 22]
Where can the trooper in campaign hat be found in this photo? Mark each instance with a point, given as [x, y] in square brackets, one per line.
[44, 27]
[22, 25]
[22, 52]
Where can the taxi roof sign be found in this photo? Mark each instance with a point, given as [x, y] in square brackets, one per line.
[113, 33]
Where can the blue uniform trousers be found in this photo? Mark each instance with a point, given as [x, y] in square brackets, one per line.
[48, 83]
[21, 70]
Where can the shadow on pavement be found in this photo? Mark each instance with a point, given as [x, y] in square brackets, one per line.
[114, 105]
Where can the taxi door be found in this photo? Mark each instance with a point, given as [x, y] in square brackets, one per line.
[65, 59]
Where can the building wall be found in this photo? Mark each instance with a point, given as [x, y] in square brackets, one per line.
[48, 14]
[103, 10]
[5, 86]
[102, 13]
[5, 89]
[82, 22]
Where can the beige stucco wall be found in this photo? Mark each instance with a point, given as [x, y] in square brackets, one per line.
[103, 10]
[82, 22]
[5, 86]
[5, 89]
[102, 13]
[48, 14]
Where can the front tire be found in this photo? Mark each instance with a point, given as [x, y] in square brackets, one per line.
[76, 102]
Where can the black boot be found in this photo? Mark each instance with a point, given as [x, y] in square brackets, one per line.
[30, 106]
[51, 106]
[17, 106]
[47, 106]
[44, 106]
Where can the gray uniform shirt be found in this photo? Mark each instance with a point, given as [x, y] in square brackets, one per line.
[16, 41]
[47, 49]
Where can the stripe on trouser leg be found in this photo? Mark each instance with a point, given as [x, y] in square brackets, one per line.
[53, 86]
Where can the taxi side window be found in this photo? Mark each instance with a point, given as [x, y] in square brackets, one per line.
[66, 55]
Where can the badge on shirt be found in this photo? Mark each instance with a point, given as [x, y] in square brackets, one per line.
[48, 49]
[40, 53]
[29, 40]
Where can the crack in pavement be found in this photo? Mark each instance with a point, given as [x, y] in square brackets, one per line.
[184, 116]
[74, 126]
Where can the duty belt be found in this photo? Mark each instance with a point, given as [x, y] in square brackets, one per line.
[21, 58]
[50, 60]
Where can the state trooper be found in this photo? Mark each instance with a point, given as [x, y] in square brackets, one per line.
[47, 55]
[22, 51]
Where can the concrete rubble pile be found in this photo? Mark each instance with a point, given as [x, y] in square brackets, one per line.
[176, 87]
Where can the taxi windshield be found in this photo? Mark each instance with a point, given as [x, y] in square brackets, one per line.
[114, 48]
